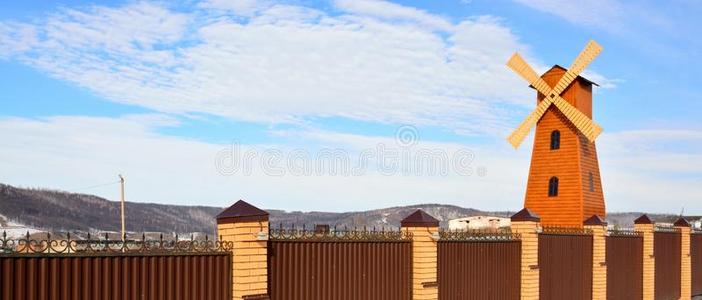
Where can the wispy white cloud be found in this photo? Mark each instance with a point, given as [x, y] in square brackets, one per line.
[375, 61]
[602, 14]
[237, 7]
[601, 80]
[285, 63]
[69, 152]
[652, 170]
[391, 11]
[16, 37]
[656, 29]
[661, 152]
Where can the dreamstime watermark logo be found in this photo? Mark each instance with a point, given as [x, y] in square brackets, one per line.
[405, 157]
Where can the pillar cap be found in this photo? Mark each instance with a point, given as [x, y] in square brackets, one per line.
[643, 219]
[525, 215]
[419, 218]
[241, 211]
[681, 223]
[595, 220]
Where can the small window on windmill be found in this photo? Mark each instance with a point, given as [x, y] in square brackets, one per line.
[555, 140]
[592, 183]
[553, 187]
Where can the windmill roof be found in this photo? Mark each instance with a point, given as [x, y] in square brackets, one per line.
[577, 78]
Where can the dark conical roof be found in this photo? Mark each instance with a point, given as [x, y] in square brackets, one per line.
[595, 220]
[525, 215]
[681, 223]
[419, 218]
[643, 219]
[241, 211]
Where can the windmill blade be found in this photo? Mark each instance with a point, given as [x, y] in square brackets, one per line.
[519, 134]
[597, 131]
[580, 120]
[520, 66]
[591, 50]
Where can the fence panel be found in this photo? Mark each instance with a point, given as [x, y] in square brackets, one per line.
[565, 264]
[666, 250]
[116, 277]
[39, 267]
[351, 265]
[479, 269]
[624, 266]
[696, 255]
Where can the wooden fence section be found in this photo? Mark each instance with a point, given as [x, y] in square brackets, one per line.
[116, 277]
[320, 270]
[624, 267]
[479, 270]
[666, 250]
[696, 253]
[565, 265]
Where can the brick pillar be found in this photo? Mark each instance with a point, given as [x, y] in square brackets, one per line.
[247, 227]
[685, 259]
[425, 230]
[526, 224]
[599, 248]
[644, 225]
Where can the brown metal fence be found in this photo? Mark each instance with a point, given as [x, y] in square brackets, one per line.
[116, 277]
[624, 265]
[666, 250]
[696, 257]
[341, 265]
[565, 264]
[479, 269]
[65, 268]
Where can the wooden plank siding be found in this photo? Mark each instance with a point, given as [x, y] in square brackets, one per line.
[571, 163]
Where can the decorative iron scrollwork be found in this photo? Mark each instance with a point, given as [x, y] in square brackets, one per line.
[68, 245]
[566, 231]
[491, 235]
[625, 233]
[337, 234]
[660, 228]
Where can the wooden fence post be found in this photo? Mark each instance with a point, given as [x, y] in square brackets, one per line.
[247, 227]
[685, 259]
[644, 225]
[425, 231]
[526, 224]
[599, 248]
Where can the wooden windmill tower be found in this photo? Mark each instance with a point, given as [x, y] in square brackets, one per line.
[564, 186]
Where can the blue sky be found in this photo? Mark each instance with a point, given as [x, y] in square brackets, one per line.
[158, 91]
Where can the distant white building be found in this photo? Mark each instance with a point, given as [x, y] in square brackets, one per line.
[664, 224]
[697, 224]
[478, 222]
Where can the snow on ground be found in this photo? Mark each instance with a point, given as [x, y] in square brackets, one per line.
[15, 230]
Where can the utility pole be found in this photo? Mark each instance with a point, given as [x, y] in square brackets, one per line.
[121, 181]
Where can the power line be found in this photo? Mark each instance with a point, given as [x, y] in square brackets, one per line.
[93, 186]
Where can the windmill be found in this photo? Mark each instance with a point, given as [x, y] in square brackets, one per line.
[564, 186]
